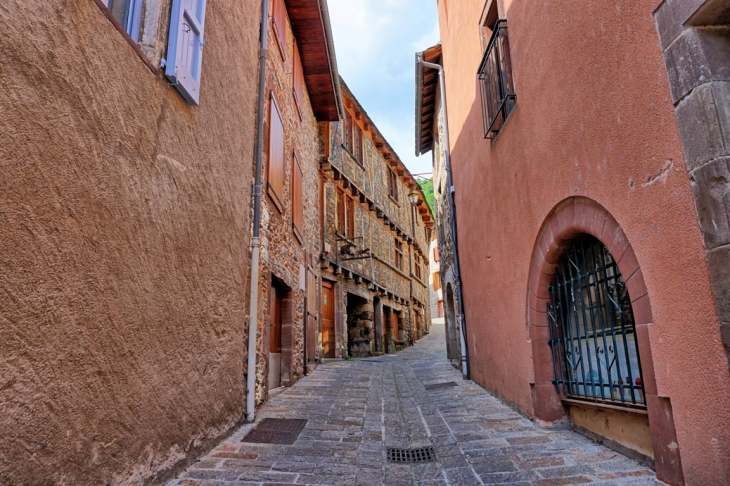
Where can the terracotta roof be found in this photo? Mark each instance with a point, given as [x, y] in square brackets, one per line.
[426, 86]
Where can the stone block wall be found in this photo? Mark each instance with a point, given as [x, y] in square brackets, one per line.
[695, 38]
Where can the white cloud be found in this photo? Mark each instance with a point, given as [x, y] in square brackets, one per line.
[376, 42]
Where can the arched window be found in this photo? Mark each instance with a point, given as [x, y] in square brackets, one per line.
[592, 329]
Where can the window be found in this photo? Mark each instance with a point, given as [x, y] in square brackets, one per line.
[341, 211]
[128, 13]
[297, 199]
[489, 21]
[495, 81]
[345, 214]
[298, 81]
[437, 280]
[279, 21]
[185, 48]
[418, 266]
[392, 184]
[275, 175]
[436, 253]
[592, 329]
[357, 149]
[350, 216]
[347, 135]
[399, 254]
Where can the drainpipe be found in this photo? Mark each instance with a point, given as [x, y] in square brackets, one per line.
[253, 305]
[461, 319]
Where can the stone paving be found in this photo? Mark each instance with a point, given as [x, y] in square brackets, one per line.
[356, 409]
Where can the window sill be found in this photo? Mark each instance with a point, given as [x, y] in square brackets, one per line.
[504, 125]
[604, 406]
[129, 39]
[362, 166]
[297, 234]
[274, 198]
[395, 201]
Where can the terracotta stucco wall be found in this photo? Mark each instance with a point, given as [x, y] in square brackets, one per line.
[594, 118]
[124, 256]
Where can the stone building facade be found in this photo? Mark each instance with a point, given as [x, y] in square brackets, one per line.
[430, 137]
[289, 248]
[374, 262]
[126, 208]
[574, 155]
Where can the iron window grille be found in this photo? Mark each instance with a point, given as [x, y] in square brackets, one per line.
[495, 81]
[592, 329]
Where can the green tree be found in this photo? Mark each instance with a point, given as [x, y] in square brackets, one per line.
[427, 188]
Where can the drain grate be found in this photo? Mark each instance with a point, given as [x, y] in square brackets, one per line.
[276, 431]
[441, 386]
[424, 454]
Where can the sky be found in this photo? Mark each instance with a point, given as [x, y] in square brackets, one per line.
[376, 43]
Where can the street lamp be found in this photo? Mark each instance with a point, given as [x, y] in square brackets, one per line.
[413, 197]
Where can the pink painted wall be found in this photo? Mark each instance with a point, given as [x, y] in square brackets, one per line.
[593, 118]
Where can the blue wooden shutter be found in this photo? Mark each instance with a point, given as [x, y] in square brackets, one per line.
[185, 47]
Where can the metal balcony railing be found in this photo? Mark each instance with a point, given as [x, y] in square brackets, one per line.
[495, 82]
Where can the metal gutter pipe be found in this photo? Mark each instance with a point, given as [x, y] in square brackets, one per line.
[253, 305]
[452, 207]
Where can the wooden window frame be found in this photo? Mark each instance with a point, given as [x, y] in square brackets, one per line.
[392, 184]
[417, 265]
[278, 20]
[298, 80]
[347, 129]
[357, 139]
[271, 190]
[350, 216]
[398, 254]
[297, 199]
[340, 201]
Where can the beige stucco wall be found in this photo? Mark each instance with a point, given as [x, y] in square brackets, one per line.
[124, 252]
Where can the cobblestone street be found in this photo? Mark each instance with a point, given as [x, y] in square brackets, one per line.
[358, 409]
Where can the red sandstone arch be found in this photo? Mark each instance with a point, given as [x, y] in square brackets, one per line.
[571, 218]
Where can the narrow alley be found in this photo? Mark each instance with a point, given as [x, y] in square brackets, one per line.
[357, 410]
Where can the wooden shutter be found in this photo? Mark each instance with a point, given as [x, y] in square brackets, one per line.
[435, 253]
[348, 132]
[357, 150]
[279, 21]
[275, 175]
[350, 217]
[436, 281]
[298, 82]
[185, 47]
[340, 211]
[297, 199]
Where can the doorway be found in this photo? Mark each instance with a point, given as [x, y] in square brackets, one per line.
[276, 298]
[328, 319]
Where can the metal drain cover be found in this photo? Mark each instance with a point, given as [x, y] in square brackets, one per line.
[424, 454]
[276, 431]
[440, 386]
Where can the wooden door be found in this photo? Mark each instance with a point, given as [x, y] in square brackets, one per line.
[328, 319]
[275, 302]
[415, 327]
[394, 325]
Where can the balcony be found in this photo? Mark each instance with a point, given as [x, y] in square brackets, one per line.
[496, 83]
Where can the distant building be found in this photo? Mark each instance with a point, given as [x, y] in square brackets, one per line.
[430, 138]
[589, 149]
[375, 295]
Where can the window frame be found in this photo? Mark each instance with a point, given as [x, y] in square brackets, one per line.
[297, 198]
[278, 20]
[340, 210]
[118, 25]
[417, 265]
[271, 188]
[392, 184]
[398, 254]
[298, 80]
[347, 128]
[357, 139]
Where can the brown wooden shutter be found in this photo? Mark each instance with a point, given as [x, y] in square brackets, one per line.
[357, 150]
[435, 253]
[350, 217]
[298, 80]
[340, 211]
[348, 132]
[275, 174]
[280, 25]
[297, 199]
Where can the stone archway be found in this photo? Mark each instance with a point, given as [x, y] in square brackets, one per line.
[569, 220]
